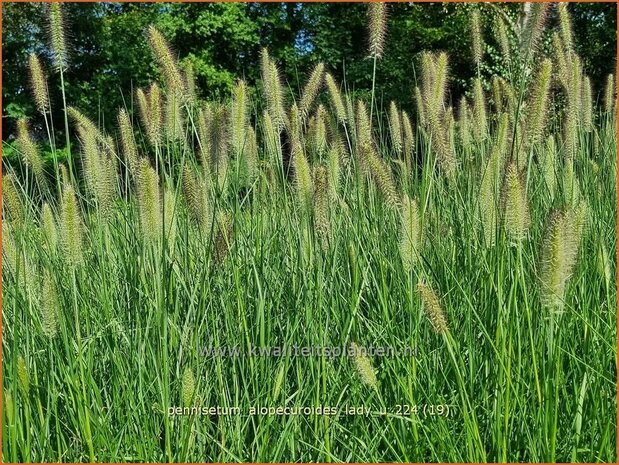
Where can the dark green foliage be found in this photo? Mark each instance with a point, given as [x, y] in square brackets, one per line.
[109, 57]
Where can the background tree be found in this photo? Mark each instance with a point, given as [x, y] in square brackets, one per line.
[109, 54]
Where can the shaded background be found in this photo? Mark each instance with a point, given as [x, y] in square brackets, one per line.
[110, 57]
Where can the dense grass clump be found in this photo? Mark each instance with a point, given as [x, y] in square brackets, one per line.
[476, 242]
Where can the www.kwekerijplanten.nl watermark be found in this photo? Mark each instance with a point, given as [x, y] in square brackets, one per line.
[307, 351]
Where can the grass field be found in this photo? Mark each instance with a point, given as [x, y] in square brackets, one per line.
[480, 236]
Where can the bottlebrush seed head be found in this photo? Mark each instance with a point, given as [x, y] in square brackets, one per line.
[170, 211]
[609, 94]
[559, 253]
[127, 140]
[363, 365]
[173, 118]
[381, 174]
[321, 205]
[188, 386]
[39, 83]
[49, 306]
[336, 98]
[432, 307]
[204, 128]
[49, 230]
[476, 38]
[364, 125]
[71, 228]
[165, 59]
[395, 128]
[9, 406]
[197, 200]
[9, 249]
[190, 84]
[250, 155]
[302, 176]
[156, 114]
[587, 105]
[12, 203]
[272, 85]
[566, 27]
[57, 36]
[410, 232]
[515, 204]
[149, 202]
[503, 40]
[538, 104]
[377, 28]
[239, 115]
[311, 89]
[408, 141]
[30, 152]
[224, 237]
[480, 119]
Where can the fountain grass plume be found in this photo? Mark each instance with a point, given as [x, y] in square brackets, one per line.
[239, 118]
[149, 202]
[410, 232]
[395, 128]
[220, 142]
[224, 237]
[12, 201]
[311, 89]
[336, 98]
[273, 90]
[515, 204]
[38, 82]
[503, 40]
[9, 248]
[480, 118]
[609, 94]
[377, 28]
[363, 364]
[566, 27]
[538, 105]
[57, 36]
[533, 27]
[250, 156]
[167, 63]
[170, 213]
[50, 305]
[321, 206]
[196, 194]
[587, 105]
[188, 387]
[381, 174]
[334, 170]
[549, 165]
[302, 176]
[464, 123]
[559, 254]
[432, 307]
[30, 153]
[173, 118]
[204, 128]
[127, 140]
[71, 228]
[497, 94]
[476, 37]
[408, 141]
[48, 229]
